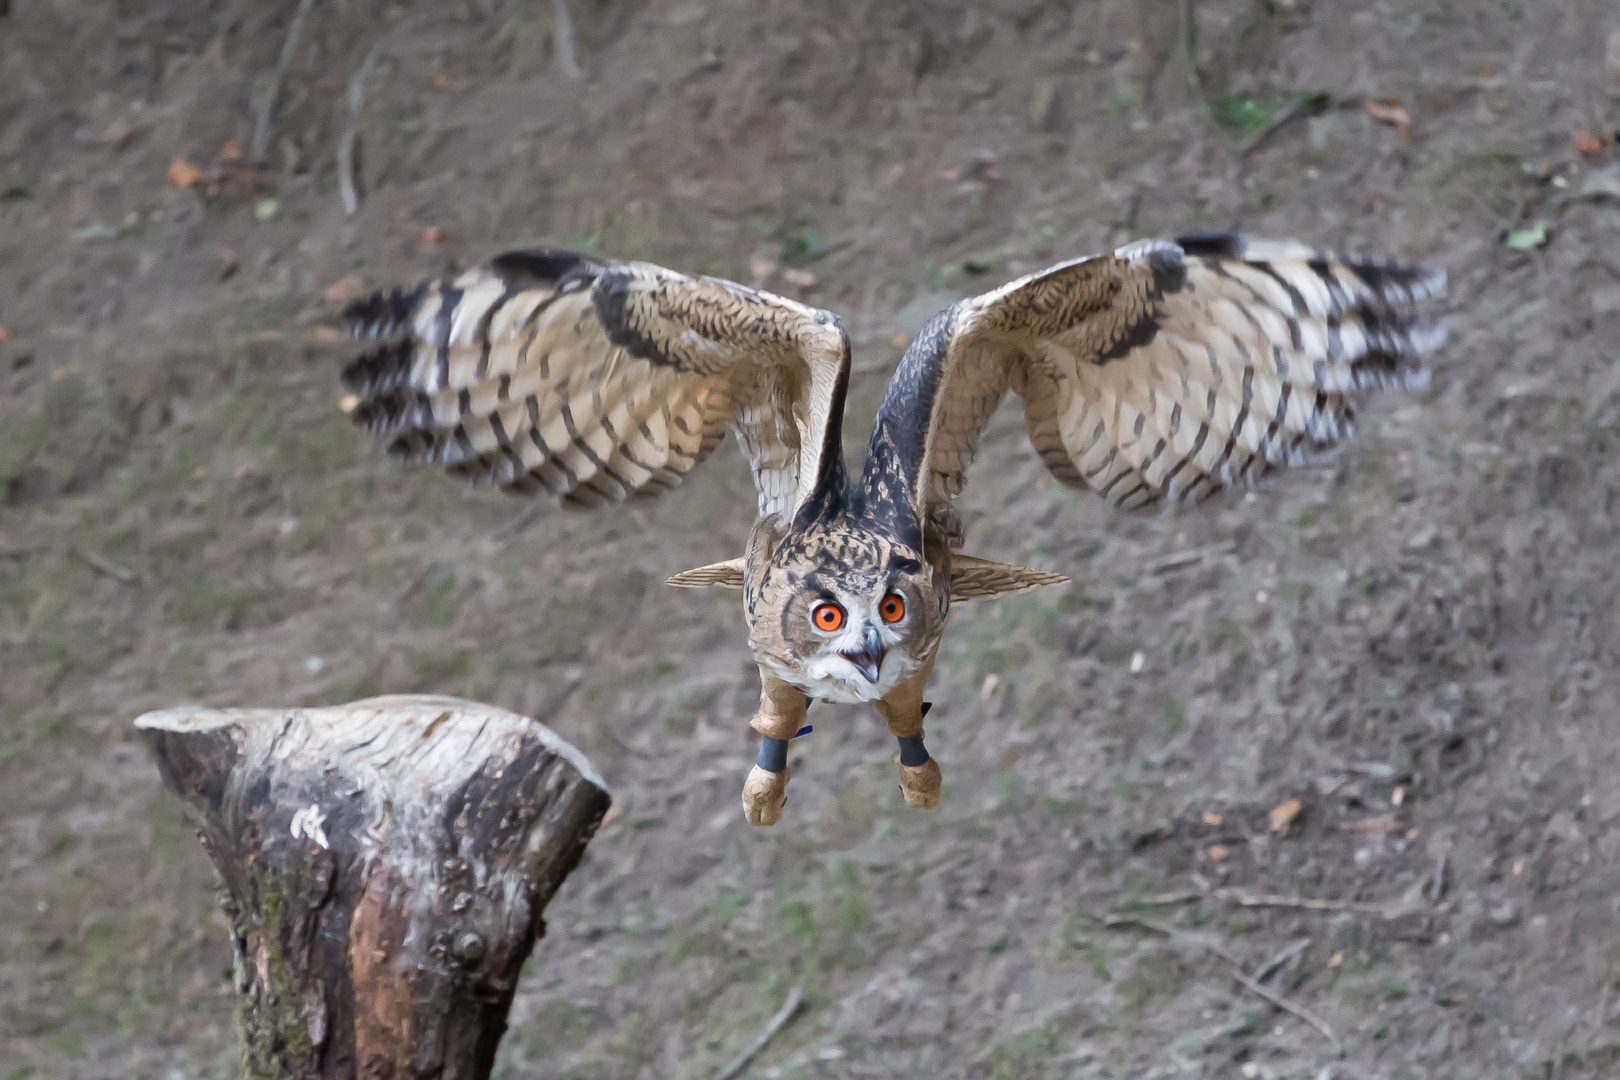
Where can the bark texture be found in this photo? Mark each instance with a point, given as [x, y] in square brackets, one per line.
[385, 864]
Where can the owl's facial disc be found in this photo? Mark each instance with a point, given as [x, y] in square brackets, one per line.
[845, 617]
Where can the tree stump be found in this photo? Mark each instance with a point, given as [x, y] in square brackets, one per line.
[385, 864]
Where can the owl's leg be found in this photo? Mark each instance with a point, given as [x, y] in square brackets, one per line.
[904, 709]
[781, 713]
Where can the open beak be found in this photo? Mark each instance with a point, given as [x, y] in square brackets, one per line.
[869, 657]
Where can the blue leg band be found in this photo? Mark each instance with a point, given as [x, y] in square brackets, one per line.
[773, 754]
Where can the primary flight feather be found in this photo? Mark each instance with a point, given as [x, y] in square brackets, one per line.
[1162, 372]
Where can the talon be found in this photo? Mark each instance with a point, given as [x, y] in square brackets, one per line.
[764, 795]
[920, 784]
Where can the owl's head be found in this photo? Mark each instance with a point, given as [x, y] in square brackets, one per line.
[843, 613]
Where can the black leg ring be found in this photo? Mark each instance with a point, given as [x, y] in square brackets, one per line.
[773, 754]
[912, 751]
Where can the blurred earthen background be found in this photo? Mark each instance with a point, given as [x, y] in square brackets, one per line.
[1418, 640]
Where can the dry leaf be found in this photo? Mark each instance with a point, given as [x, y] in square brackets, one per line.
[1217, 852]
[349, 402]
[1588, 143]
[1284, 813]
[328, 335]
[5, 335]
[899, 341]
[801, 279]
[344, 290]
[434, 235]
[1336, 959]
[231, 151]
[1211, 819]
[183, 173]
[1390, 111]
[441, 81]
[991, 683]
[1383, 823]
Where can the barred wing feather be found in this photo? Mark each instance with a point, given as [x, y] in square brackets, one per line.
[1164, 371]
[594, 382]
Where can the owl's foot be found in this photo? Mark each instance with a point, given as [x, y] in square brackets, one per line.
[764, 792]
[920, 777]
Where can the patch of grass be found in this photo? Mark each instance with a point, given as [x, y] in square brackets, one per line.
[1031, 1054]
[1073, 935]
[1246, 114]
[202, 598]
[440, 665]
[1155, 973]
[557, 1026]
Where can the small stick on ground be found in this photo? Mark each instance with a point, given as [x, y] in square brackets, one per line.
[784, 1015]
[1189, 46]
[1307, 903]
[1237, 970]
[1168, 899]
[1284, 955]
[1304, 105]
[349, 141]
[1285, 1005]
[263, 123]
[562, 40]
[103, 565]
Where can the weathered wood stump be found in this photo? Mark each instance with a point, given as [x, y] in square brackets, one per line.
[386, 864]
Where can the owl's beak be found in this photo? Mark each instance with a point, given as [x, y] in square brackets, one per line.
[869, 658]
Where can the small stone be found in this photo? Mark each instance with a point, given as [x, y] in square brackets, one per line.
[468, 947]
[1138, 662]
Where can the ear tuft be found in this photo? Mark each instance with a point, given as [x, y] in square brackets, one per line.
[973, 579]
[728, 575]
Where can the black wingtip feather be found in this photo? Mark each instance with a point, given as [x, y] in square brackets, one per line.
[382, 313]
[378, 371]
[1218, 245]
[539, 264]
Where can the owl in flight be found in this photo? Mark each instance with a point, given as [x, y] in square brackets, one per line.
[1160, 373]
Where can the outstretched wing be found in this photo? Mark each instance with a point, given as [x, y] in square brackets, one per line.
[597, 381]
[1163, 371]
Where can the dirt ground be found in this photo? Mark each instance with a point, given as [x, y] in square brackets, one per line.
[1418, 639]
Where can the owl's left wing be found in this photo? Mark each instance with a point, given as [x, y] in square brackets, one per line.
[1164, 371]
[596, 381]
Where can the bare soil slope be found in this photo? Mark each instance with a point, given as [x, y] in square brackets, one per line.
[1419, 640]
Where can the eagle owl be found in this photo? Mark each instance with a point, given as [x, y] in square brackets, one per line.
[1160, 373]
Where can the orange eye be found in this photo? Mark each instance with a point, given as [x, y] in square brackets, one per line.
[893, 608]
[828, 617]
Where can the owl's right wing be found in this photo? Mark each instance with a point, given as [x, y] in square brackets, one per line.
[596, 381]
[1161, 372]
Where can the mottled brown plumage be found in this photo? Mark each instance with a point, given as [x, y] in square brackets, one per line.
[1160, 373]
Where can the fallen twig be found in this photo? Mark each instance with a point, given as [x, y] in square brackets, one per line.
[562, 40]
[1285, 1005]
[103, 565]
[1168, 899]
[1304, 105]
[519, 523]
[263, 122]
[1237, 971]
[1285, 954]
[1307, 903]
[349, 141]
[1189, 46]
[784, 1015]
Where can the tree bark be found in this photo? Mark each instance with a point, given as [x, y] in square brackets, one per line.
[385, 864]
